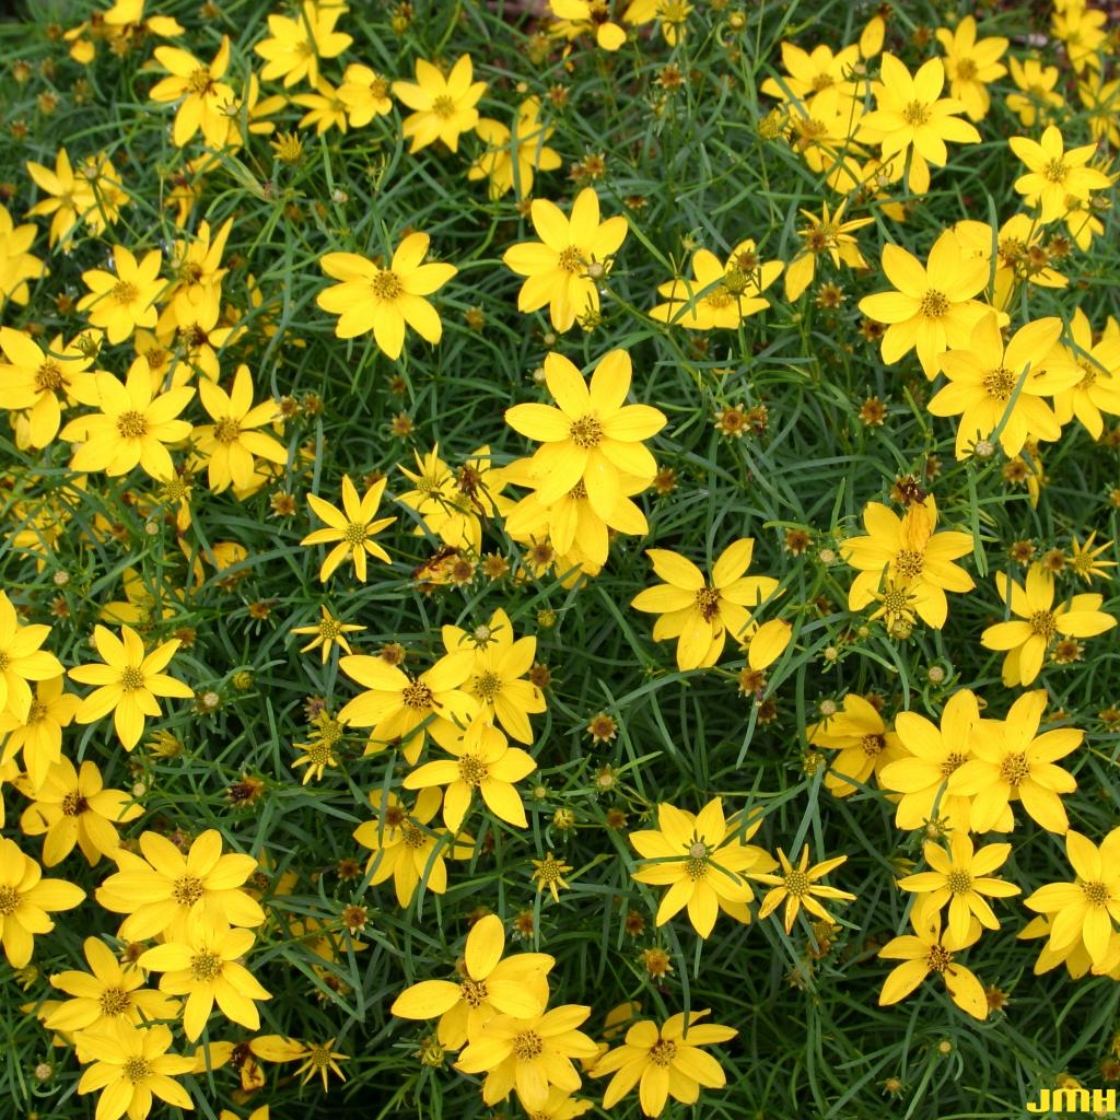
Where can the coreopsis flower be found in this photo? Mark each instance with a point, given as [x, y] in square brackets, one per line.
[203, 966]
[1054, 176]
[163, 890]
[488, 985]
[1010, 763]
[483, 761]
[296, 44]
[405, 849]
[827, 234]
[328, 632]
[703, 860]
[664, 1062]
[38, 734]
[1021, 256]
[72, 807]
[548, 874]
[864, 744]
[325, 108]
[578, 17]
[496, 678]
[908, 550]
[196, 269]
[231, 443]
[70, 196]
[808, 73]
[353, 527]
[565, 267]
[128, 683]
[318, 753]
[932, 754]
[40, 380]
[365, 94]
[723, 294]
[926, 951]
[120, 301]
[403, 711]
[971, 65]
[933, 307]
[512, 158]
[1085, 561]
[1039, 98]
[1100, 100]
[1082, 912]
[699, 613]
[384, 300]
[1029, 636]
[444, 108]
[592, 436]
[107, 993]
[961, 878]
[17, 265]
[1081, 30]
[1097, 392]
[321, 1058]
[798, 887]
[21, 660]
[996, 385]
[131, 1065]
[25, 900]
[204, 99]
[528, 1055]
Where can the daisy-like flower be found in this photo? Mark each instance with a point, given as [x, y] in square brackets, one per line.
[163, 890]
[592, 435]
[529, 1054]
[484, 761]
[723, 295]
[908, 551]
[971, 65]
[808, 73]
[196, 268]
[17, 265]
[70, 196]
[565, 267]
[1010, 763]
[1098, 391]
[444, 108]
[131, 1065]
[328, 632]
[1085, 561]
[828, 234]
[353, 527]
[1082, 912]
[933, 307]
[198, 88]
[549, 874]
[1039, 98]
[1056, 178]
[383, 300]
[799, 886]
[25, 899]
[73, 807]
[993, 385]
[38, 734]
[365, 95]
[865, 745]
[21, 660]
[297, 43]
[703, 860]
[321, 1058]
[512, 158]
[1029, 636]
[926, 951]
[665, 1062]
[120, 301]
[231, 442]
[487, 986]
[962, 877]
[578, 17]
[912, 116]
[128, 683]
[699, 613]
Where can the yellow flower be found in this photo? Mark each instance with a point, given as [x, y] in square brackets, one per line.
[444, 107]
[325, 108]
[809, 73]
[25, 899]
[592, 436]
[39, 733]
[827, 234]
[352, 527]
[319, 752]
[1084, 559]
[1010, 764]
[111, 993]
[364, 93]
[1039, 96]
[566, 266]
[933, 308]
[488, 986]
[699, 613]
[162, 891]
[1056, 178]
[1028, 637]
[230, 443]
[321, 1058]
[665, 1062]
[702, 859]
[383, 300]
[1082, 31]
[928, 952]
[204, 99]
[118, 302]
[196, 292]
[971, 65]
[328, 631]
[297, 43]
[21, 660]
[17, 265]
[865, 745]
[798, 886]
[71, 197]
[528, 1055]
[129, 682]
[511, 159]
[1099, 388]
[549, 872]
[1082, 912]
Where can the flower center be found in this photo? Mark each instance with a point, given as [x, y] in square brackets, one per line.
[1055, 171]
[959, 882]
[798, 883]
[114, 1001]
[473, 992]
[412, 836]
[132, 679]
[9, 901]
[872, 745]
[908, 563]
[719, 299]
[1096, 894]
[206, 965]
[1042, 624]
[1015, 769]
[570, 260]
[227, 430]
[188, 889]
[934, 304]
[951, 763]
[527, 1045]
[707, 603]
[132, 425]
[1000, 384]
[939, 958]
[473, 771]
[487, 685]
[354, 533]
[663, 1052]
[895, 601]
[966, 69]
[48, 377]
[417, 696]
[199, 80]
[822, 81]
[916, 114]
[386, 285]
[136, 1069]
[329, 629]
[443, 107]
[74, 804]
[586, 432]
[124, 292]
[38, 708]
